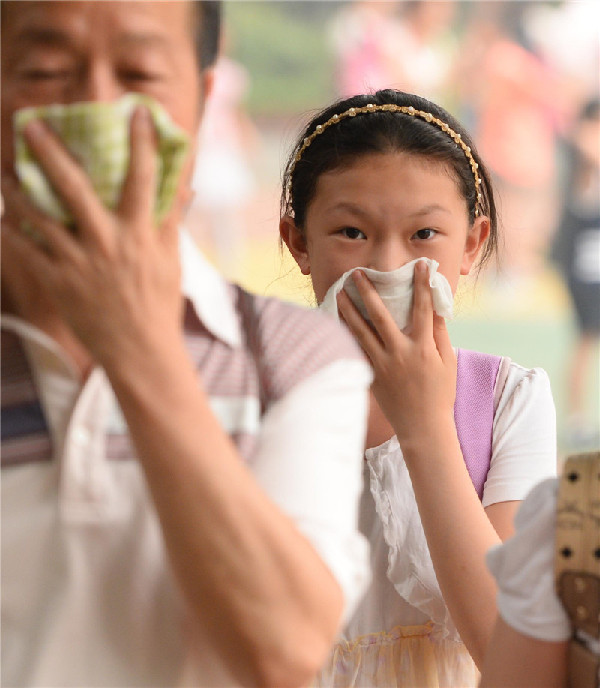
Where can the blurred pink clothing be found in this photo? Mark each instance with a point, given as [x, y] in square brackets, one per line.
[518, 124]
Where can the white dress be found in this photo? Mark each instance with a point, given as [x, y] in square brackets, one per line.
[402, 633]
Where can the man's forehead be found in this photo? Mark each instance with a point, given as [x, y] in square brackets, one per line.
[48, 19]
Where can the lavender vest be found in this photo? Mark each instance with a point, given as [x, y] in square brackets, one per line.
[474, 411]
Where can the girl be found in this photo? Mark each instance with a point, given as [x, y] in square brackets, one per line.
[455, 439]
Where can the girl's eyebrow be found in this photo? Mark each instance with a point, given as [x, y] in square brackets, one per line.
[431, 208]
[358, 210]
[350, 207]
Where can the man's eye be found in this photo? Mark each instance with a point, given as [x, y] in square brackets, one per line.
[352, 233]
[425, 234]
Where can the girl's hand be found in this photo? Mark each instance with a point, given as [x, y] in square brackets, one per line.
[116, 279]
[415, 372]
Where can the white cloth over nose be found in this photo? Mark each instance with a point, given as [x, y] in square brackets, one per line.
[395, 289]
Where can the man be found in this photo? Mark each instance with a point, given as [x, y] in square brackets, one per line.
[189, 556]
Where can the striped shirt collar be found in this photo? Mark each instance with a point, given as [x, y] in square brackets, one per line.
[208, 292]
[201, 284]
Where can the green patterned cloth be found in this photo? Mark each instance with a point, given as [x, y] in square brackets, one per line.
[97, 134]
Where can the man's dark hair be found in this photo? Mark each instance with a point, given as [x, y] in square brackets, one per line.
[207, 30]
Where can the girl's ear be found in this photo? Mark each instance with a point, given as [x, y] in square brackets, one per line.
[476, 238]
[294, 239]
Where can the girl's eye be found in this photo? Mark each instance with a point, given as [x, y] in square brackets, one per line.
[424, 234]
[352, 233]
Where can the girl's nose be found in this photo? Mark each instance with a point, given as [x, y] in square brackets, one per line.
[387, 257]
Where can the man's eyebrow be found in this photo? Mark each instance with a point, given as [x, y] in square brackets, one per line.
[44, 36]
[143, 38]
[53, 37]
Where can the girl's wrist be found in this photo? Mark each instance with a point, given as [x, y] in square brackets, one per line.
[435, 437]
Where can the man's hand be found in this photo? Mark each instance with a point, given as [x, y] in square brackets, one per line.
[116, 279]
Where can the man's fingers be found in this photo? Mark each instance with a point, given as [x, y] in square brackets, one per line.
[139, 190]
[67, 178]
[18, 249]
[169, 229]
[19, 210]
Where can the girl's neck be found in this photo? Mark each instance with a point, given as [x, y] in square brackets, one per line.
[379, 429]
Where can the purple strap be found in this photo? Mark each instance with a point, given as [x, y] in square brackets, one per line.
[474, 411]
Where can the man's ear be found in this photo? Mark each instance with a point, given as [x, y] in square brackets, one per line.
[294, 239]
[476, 238]
[207, 78]
[207, 82]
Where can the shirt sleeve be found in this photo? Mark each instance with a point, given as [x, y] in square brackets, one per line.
[524, 569]
[524, 436]
[309, 461]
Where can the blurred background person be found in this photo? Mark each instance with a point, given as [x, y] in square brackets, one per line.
[576, 251]
[365, 38]
[406, 45]
[518, 109]
[426, 49]
[224, 179]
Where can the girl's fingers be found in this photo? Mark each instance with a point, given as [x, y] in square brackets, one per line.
[366, 337]
[422, 309]
[139, 190]
[441, 337]
[68, 179]
[59, 242]
[379, 315]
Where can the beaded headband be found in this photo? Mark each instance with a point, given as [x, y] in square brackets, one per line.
[390, 107]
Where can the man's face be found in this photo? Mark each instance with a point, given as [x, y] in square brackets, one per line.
[66, 52]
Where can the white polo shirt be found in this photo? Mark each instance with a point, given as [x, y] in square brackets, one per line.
[88, 598]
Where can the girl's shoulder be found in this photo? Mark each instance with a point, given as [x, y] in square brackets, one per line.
[481, 373]
[523, 436]
[514, 381]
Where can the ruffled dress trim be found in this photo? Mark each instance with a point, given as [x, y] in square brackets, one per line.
[404, 657]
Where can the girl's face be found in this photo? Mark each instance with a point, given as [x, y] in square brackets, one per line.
[381, 212]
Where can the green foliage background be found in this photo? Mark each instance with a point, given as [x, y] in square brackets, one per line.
[286, 48]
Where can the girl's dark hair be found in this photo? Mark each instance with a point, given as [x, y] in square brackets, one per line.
[342, 143]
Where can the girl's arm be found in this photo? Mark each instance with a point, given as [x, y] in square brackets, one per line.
[415, 385]
[459, 533]
[514, 660]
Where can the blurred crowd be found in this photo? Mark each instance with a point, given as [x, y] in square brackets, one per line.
[516, 73]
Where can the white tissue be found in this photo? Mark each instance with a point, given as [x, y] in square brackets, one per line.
[395, 289]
